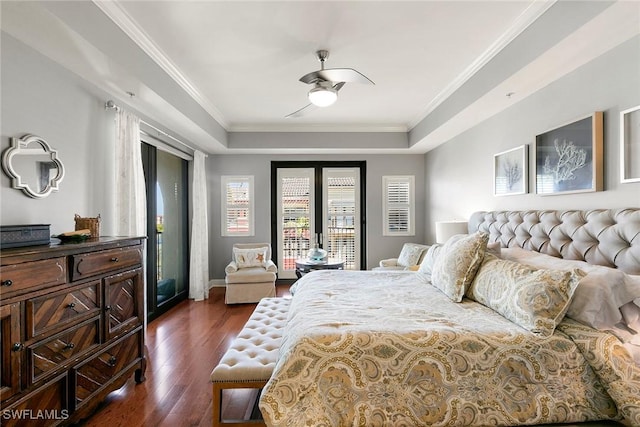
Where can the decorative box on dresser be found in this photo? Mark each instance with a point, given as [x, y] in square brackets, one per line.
[71, 327]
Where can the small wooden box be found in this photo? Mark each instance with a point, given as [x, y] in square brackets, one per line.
[92, 224]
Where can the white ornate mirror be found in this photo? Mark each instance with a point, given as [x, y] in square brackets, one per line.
[33, 166]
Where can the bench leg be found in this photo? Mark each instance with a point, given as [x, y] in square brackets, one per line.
[218, 388]
[217, 404]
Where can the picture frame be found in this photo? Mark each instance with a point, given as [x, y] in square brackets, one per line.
[511, 171]
[569, 158]
[630, 145]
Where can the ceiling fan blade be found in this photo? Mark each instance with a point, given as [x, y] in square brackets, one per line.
[301, 112]
[348, 75]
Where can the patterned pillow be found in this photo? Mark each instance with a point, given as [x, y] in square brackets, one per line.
[410, 254]
[456, 265]
[426, 266]
[250, 257]
[536, 299]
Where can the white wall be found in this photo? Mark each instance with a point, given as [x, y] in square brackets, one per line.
[459, 174]
[39, 97]
[378, 246]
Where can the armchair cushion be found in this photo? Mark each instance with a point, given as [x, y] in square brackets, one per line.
[251, 275]
[233, 266]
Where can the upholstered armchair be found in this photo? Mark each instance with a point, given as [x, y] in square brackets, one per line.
[251, 275]
[410, 258]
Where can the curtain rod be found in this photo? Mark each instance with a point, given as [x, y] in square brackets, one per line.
[110, 105]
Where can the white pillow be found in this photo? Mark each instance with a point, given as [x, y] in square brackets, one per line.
[631, 315]
[494, 248]
[600, 294]
[250, 257]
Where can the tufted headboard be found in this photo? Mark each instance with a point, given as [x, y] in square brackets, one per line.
[609, 237]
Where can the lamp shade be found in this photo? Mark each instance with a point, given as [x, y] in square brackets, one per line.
[323, 95]
[446, 229]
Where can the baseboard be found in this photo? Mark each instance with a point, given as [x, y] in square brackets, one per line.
[217, 283]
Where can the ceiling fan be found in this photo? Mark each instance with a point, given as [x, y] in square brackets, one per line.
[326, 84]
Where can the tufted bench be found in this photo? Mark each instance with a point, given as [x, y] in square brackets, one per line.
[250, 360]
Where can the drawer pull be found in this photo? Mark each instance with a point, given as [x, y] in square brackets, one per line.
[114, 259]
[7, 282]
[107, 308]
[71, 305]
[18, 346]
[112, 361]
[68, 346]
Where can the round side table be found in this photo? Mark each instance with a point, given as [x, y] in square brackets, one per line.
[306, 265]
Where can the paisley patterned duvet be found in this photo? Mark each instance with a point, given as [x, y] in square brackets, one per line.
[389, 349]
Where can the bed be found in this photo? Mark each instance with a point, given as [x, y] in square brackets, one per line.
[485, 333]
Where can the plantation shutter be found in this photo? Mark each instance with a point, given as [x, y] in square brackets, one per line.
[398, 206]
[237, 206]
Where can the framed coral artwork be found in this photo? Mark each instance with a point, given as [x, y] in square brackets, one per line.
[630, 145]
[511, 172]
[569, 159]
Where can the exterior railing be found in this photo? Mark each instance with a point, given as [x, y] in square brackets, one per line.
[340, 244]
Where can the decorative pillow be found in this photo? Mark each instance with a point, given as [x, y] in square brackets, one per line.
[600, 294]
[457, 264]
[250, 257]
[426, 266]
[410, 254]
[536, 299]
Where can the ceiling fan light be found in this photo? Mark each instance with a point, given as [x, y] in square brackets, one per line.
[323, 96]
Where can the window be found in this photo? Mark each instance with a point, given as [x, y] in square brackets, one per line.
[237, 206]
[398, 206]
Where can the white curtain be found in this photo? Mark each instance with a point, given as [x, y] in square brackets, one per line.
[131, 199]
[199, 262]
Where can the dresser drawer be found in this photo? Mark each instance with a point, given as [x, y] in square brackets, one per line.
[92, 375]
[87, 265]
[48, 355]
[30, 276]
[50, 398]
[54, 311]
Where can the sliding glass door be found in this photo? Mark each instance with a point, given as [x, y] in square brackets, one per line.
[167, 229]
[319, 202]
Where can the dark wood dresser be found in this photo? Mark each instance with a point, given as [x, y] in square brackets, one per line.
[72, 328]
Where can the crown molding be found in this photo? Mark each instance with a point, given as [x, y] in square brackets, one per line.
[526, 18]
[126, 23]
[363, 128]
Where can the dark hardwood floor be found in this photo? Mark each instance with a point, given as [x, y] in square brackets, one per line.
[183, 345]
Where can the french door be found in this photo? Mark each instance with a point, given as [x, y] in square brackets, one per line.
[317, 203]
